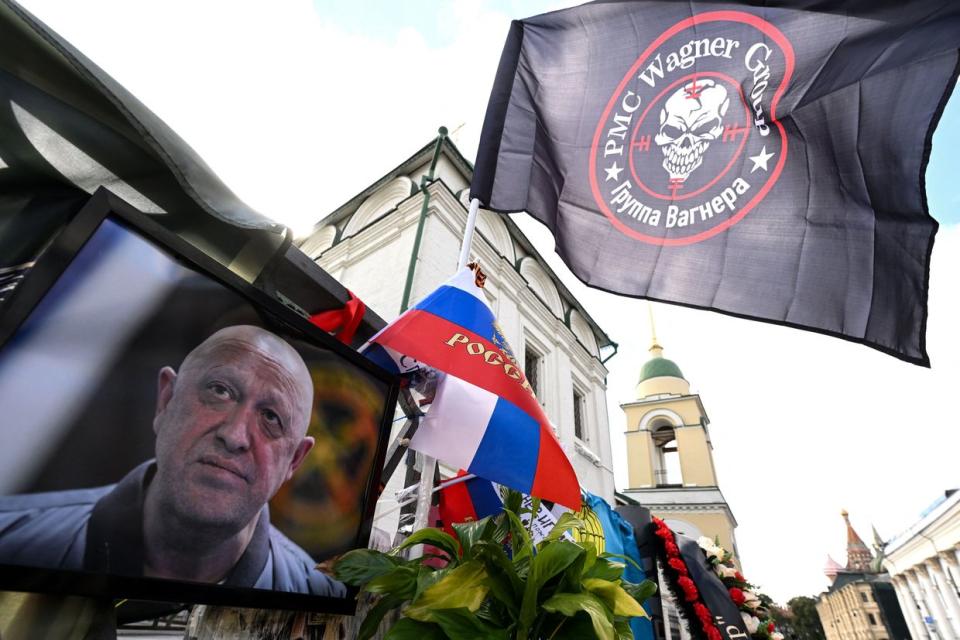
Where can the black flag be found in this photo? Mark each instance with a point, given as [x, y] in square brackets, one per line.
[764, 162]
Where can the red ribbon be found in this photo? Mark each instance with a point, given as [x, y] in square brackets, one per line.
[343, 322]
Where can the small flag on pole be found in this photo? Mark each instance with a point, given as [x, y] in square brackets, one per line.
[485, 417]
[468, 501]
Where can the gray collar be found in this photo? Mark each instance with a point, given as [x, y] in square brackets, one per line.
[115, 533]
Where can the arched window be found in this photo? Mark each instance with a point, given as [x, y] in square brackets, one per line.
[666, 470]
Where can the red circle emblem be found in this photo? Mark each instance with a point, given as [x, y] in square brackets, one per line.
[689, 143]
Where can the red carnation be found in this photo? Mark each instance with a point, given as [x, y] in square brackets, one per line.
[703, 614]
[677, 565]
[671, 547]
[663, 532]
[737, 596]
[739, 577]
[689, 589]
[713, 634]
[770, 627]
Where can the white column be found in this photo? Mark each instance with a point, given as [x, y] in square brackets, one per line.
[920, 599]
[947, 593]
[910, 608]
[934, 605]
[948, 560]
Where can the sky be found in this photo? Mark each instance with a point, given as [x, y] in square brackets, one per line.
[299, 105]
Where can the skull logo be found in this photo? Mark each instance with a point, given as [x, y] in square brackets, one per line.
[691, 118]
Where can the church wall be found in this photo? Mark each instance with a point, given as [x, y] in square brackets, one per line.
[633, 415]
[440, 246]
[696, 463]
[445, 170]
[639, 459]
[368, 263]
[687, 408]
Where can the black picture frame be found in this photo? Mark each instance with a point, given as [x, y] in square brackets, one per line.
[19, 305]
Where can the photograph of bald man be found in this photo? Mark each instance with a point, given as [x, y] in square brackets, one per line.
[230, 429]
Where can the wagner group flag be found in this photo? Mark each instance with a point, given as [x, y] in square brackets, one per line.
[484, 417]
[761, 161]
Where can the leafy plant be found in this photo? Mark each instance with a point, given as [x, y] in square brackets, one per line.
[494, 583]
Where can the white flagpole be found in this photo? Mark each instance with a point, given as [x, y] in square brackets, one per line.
[468, 233]
[429, 463]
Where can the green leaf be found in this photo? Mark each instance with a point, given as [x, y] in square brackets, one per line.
[494, 612]
[409, 629]
[573, 574]
[440, 539]
[616, 599]
[534, 511]
[513, 501]
[552, 559]
[502, 579]
[469, 533]
[359, 566]
[401, 582]
[375, 616]
[569, 604]
[519, 538]
[461, 623]
[590, 558]
[464, 586]
[640, 592]
[501, 591]
[603, 569]
[427, 577]
[566, 522]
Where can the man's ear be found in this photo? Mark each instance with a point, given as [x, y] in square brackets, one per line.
[165, 383]
[299, 455]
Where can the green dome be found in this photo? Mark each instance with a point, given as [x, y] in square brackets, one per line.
[659, 367]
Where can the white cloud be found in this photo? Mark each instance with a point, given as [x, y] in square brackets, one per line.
[297, 115]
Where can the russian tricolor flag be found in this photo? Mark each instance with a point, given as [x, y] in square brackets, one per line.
[468, 501]
[485, 418]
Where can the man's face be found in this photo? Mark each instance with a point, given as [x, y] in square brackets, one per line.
[230, 426]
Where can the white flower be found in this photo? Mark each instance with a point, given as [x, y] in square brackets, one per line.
[751, 601]
[710, 548]
[726, 572]
[776, 635]
[752, 622]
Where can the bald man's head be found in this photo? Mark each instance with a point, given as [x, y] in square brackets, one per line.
[272, 349]
[231, 425]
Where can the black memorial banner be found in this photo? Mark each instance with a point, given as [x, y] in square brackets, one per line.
[761, 161]
[716, 597]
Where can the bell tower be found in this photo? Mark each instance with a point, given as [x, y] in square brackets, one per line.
[670, 456]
